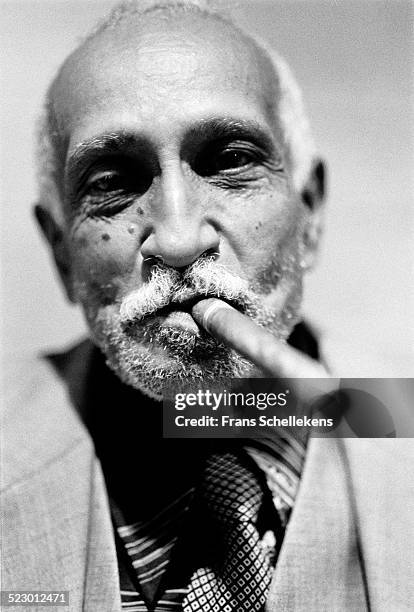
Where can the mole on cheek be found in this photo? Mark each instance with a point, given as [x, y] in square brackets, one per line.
[140, 211]
[131, 229]
[106, 237]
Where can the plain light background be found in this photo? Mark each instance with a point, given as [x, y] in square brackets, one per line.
[354, 60]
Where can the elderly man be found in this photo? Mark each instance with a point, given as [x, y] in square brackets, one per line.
[182, 198]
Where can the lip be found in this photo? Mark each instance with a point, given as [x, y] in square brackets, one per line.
[178, 313]
[186, 305]
[181, 320]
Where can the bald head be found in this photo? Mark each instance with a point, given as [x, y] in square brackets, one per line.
[168, 39]
[162, 47]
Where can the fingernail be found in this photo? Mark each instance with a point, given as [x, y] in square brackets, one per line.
[204, 310]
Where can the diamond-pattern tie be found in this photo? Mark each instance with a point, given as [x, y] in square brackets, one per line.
[232, 498]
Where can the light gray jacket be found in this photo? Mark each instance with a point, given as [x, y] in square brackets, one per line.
[348, 545]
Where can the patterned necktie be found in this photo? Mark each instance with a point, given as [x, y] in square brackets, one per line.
[232, 499]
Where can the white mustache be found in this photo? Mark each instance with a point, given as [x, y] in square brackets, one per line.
[203, 278]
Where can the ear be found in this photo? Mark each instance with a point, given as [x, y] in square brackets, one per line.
[53, 230]
[313, 197]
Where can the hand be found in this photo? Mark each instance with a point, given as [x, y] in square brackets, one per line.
[270, 355]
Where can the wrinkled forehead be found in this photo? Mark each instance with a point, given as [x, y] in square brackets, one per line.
[146, 60]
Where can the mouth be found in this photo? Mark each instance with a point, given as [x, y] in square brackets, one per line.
[177, 314]
[186, 305]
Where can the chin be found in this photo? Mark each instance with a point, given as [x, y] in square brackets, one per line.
[159, 370]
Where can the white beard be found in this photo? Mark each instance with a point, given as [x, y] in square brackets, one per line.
[150, 357]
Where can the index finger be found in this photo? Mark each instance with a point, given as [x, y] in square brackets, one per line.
[268, 353]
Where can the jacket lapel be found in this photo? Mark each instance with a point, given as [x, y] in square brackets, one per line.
[102, 591]
[319, 565]
[58, 534]
[56, 531]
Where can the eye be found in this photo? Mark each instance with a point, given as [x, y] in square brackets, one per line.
[118, 182]
[106, 182]
[227, 158]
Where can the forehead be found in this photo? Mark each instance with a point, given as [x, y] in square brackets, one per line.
[162, 72]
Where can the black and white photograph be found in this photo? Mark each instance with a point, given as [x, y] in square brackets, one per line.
[207, 288]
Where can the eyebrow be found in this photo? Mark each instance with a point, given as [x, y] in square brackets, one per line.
[228, 127]
[123, 141]
[87, 151]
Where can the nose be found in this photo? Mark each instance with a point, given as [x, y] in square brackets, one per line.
[180, 230]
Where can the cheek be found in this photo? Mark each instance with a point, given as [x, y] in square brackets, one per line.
[266, 232]
[105, 260]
